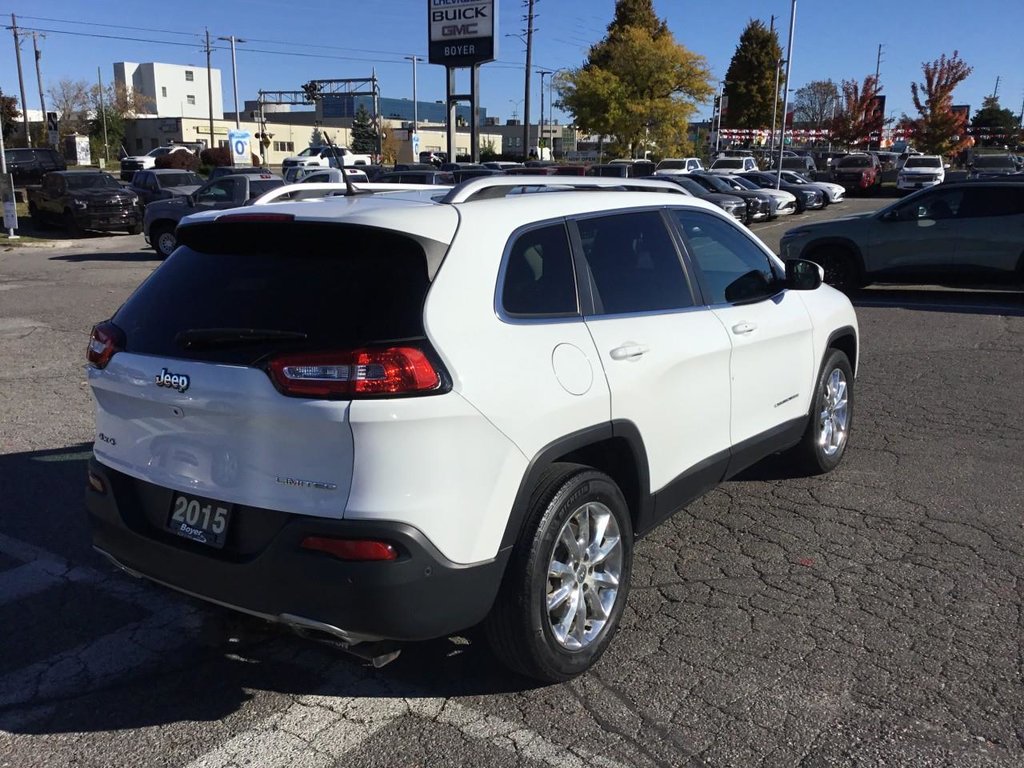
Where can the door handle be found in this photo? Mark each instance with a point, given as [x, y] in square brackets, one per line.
[741, 329]
[629, 351]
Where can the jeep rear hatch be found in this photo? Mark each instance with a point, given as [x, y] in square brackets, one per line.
[228, 373]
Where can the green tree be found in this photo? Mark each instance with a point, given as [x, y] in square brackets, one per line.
[364, 132]
[994, 126]
[9, 113]
[628, 13]
[638, 85]
[856, 116]
[815, 103]
[750, 80]
[938, 130]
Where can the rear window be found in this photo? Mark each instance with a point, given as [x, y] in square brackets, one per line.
[728, 162]
[993, 162]
[340, 285]
[259, 186]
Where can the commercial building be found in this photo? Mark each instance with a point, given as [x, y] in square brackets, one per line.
[172, 90]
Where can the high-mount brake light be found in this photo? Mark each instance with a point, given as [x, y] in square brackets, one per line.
[252, 218]
[106, 341]
[351, 549]
[370, 371]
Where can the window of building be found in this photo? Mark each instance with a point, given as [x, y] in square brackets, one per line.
[189, 76]
[190, 99]
[539, 277]
[222, 142]
[138, 145]
[284, 146]
[634, 264]
[163, 91]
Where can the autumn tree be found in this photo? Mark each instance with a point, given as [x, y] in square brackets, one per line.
[857, 115]
[815, 103]
[9, 113]
[637, 84]
[938, 130]
[117, 104]
[994, 126]
[750, 80]
[70, 100]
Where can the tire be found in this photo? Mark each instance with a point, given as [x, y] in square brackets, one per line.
[38, 219]
[164, 240]
[544, 624]
[841, 270]
[71, 226]
[823, 445]
[136, 230]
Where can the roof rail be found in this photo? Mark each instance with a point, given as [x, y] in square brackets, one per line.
[490, 187]
[313, 191]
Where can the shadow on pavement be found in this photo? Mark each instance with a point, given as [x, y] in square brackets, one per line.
[140, 256]
[199, 663]
[981, 301]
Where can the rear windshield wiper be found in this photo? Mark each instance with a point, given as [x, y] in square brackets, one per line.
[217, 337]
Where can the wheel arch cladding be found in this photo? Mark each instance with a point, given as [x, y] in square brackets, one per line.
[845, 340]
[614, 448]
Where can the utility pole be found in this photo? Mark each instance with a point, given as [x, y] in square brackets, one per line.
[39, 76]
[3, 166]
[21, 81]
[234, 74]
[529, 69]
[103, 117]
[209, 85]
[540, 133]
[785, 97]
[415, 103]
[878, 68]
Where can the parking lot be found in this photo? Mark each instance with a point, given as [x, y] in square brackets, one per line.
[873, 616]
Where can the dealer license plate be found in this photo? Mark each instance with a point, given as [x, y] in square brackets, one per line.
[199, 519]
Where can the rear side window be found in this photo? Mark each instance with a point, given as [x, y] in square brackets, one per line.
[341, 286]
[982, 202]
[539, 277]
[634, 264]
[257, 188]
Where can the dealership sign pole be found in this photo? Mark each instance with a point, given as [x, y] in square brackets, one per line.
[462, 34]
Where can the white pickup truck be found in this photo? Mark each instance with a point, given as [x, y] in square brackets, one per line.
[325, 157]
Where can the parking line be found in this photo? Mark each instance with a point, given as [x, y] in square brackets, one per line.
[320, 729]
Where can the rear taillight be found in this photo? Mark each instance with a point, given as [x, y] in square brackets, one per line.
[106, 340]
[351, 549]
[379, 371]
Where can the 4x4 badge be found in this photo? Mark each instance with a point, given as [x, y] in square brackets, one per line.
[178, 381]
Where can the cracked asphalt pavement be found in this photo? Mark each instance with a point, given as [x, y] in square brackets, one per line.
[869, 617]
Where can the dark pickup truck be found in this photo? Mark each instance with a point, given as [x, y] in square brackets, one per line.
[81, 200]
[162, 216]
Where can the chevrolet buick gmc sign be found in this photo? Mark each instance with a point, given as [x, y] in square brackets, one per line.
[462, 32]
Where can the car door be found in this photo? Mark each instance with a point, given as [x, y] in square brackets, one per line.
[666, 358]
[772, 365]
[917, 236]
[989, 229]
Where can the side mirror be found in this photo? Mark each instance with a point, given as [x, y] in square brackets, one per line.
[945, 166]
[803, 275]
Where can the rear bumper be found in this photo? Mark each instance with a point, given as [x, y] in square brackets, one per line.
[262, 569]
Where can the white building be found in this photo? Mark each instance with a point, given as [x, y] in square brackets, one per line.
[173, 90]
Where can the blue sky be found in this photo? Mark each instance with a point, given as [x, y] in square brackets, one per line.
[289, 45]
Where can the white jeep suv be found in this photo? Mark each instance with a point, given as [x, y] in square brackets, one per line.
[390, 417]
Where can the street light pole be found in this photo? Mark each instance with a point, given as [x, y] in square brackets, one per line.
[718, 130]
[785, 98]
[234, 74]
